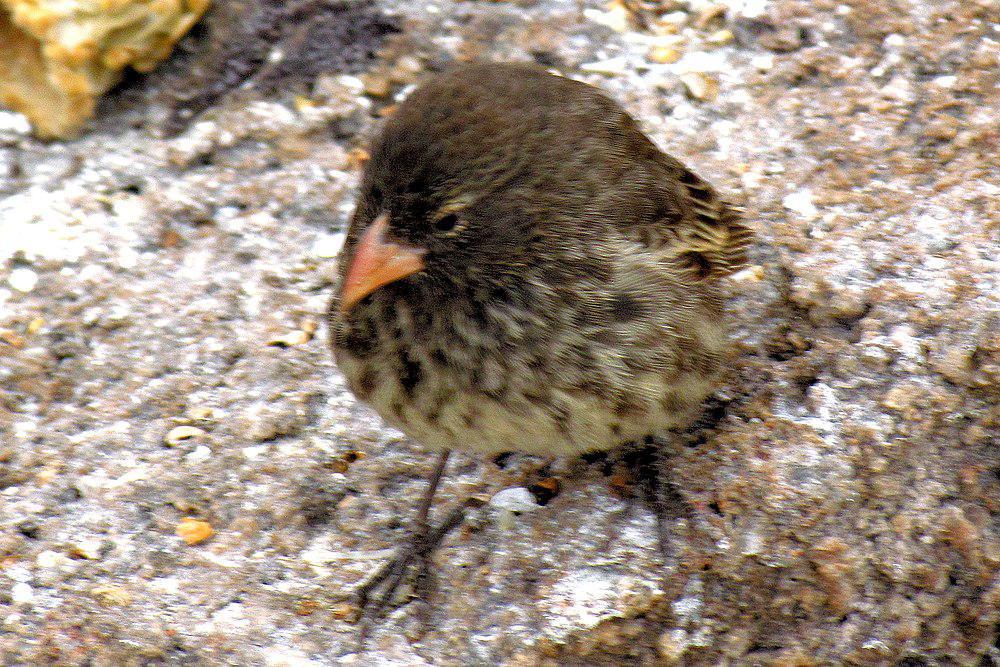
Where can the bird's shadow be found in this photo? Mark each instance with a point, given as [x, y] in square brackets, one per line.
[639, 472]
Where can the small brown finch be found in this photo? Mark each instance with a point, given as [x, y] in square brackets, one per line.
[527, 271]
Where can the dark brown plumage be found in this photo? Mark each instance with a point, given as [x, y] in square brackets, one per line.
[526, 271]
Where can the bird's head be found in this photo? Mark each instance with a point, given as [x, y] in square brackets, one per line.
[444, 202]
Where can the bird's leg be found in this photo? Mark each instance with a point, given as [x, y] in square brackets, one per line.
[422, 541]
[423, 512]
[422, 529]
[648, 462]
[665, 499]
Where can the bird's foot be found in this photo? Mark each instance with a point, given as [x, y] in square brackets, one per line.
[640, 473]
[375, 597]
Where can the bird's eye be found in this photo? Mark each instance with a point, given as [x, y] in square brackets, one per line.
[446, 223]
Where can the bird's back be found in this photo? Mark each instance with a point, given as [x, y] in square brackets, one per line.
[522, 120]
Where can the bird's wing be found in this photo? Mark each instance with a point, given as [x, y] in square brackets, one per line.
[686, 222]
[710, 238]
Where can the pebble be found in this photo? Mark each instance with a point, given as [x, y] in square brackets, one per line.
[801, 202]
[254, 452]
[182, 433]
[377, 84]
[406, 69]
[21, 593]
[193, 531]
[873, 355]
[327, 247]
[23, 279]
[14, 122]
[750, 9]
[86, 548]
[202, 413]
[763, 62]
[200, 453]
[517, 499]
[615, 18]
[49, 558]
[262, 421]
[278, 656]
[894, 41]
[672, 645]
[700, 85]
[674, 18]
[721, 37]
[112, 596]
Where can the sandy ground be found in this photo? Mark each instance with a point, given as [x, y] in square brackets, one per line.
[163, 357]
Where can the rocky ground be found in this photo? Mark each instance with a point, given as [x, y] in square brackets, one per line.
[185, 480]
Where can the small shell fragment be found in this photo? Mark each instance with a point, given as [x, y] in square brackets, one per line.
[701, 86]
[296, 337]
[517, 499]
[194, 531]
[180, 434]
[723, 36]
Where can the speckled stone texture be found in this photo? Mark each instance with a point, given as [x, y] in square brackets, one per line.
[162, 356]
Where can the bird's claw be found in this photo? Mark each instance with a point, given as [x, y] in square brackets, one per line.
[415, 553]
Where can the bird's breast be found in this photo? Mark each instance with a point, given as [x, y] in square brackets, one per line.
[504, 383]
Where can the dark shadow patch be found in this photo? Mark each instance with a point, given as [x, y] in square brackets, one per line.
[502, 460]
[232, 47]
[545, 490]
[29, 529]
[320, 498]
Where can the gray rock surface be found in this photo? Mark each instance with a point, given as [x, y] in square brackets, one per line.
[163, 355]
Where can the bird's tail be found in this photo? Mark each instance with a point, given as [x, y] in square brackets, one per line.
[713, 241]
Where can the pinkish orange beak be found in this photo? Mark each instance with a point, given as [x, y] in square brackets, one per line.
[377, 263]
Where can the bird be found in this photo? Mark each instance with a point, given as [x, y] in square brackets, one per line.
[525, 270]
